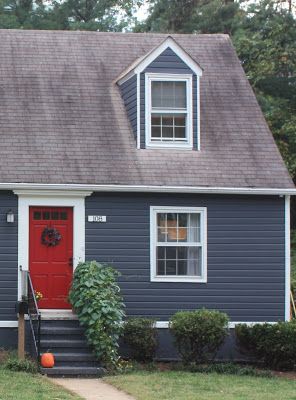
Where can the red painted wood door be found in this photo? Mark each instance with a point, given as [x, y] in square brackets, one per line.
[51, 266]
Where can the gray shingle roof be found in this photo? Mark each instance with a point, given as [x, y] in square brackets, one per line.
[62, 119]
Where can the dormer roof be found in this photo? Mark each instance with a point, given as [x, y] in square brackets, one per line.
[140, 64]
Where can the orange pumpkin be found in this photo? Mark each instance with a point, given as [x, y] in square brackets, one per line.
[47, 360]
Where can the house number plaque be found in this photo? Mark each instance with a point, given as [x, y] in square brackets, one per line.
[97, 218]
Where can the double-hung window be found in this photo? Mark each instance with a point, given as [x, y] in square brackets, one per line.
[178, 244]
[168, 110]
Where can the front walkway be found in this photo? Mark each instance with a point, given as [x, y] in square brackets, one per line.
[91, 389]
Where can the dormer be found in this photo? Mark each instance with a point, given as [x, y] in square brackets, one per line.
[161, 95]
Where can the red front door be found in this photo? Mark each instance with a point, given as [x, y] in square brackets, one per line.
[51, 254]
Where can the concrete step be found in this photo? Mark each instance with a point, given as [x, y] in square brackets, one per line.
[60, 331]
[74, 357]
[60, 371]
[50, 344]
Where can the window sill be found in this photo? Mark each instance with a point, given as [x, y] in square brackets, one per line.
[169, 146]
[178, 279]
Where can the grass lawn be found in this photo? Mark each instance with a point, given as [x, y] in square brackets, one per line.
[23, 386]
[171, 385]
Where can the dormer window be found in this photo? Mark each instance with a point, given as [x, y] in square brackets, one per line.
[168, 110]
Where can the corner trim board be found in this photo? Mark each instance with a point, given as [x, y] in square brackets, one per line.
[287, 259]
[8, 324]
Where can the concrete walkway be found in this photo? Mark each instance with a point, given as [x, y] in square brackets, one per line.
[91, 389]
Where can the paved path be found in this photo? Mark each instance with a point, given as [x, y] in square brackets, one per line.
[91, 389]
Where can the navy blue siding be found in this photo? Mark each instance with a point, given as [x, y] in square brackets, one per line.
[129, 94]
[8, 258]
[246, 254]
[168, 62]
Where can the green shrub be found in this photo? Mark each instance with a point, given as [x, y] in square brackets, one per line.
[26, 365]
[198, 334]
[95, 297]
[272, 344]
[141, 336]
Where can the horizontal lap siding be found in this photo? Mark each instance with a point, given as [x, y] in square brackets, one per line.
[246, 254]
[8, 258]
[129, 94]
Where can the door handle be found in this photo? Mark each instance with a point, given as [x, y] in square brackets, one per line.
[70, 262]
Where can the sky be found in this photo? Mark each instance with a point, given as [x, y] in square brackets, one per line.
[142, 12]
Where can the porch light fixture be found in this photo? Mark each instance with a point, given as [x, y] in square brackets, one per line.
[10, 217]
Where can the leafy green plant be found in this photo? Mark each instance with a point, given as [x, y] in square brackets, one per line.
[199, 334]
[141, 336]
[15, 364]
[274, 345]
[95, 297]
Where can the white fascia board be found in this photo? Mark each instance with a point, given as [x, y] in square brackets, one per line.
[80, 189]
[287, 260]
[169, 42]
[126, 77]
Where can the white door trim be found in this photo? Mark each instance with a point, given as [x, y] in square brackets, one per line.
[27, 199]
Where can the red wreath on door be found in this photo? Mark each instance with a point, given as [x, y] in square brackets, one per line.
[50, 237]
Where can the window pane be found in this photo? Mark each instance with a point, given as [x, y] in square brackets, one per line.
[167, 120]
[182, 267]
[37, 215]
[55, 215]
[63, 215]
[156, 94]
[161, 253]
[155, 131]
[167, 132]
[160, 267]
[155, 119]
[172, 227]
[168, 94]
[171, 267]
[180, 94]
[194, 228]
[180, 120]
[46, 215]
[194, 261]
[180, 133]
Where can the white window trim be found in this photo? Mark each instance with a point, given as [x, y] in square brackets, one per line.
[149, 78]
[26, 199]
[153, 234]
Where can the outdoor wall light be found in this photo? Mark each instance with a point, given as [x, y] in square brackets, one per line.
[10, 217]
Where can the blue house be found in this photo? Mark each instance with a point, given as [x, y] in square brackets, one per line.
[147, 151]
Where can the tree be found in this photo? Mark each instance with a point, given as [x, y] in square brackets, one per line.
[264, 34]
[103, 15]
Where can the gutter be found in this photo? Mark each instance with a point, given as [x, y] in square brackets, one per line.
[145, 188]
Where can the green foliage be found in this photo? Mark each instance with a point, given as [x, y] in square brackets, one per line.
[95, 296]
[199, 334]
[272, 344]
[107, 15]
[141, 336]
[14, 364]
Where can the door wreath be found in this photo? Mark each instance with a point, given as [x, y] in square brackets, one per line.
[50, 237]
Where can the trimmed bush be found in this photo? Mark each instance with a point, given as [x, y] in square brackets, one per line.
[274, 345]
[141, 336]
[95, 297]
[199, 334]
